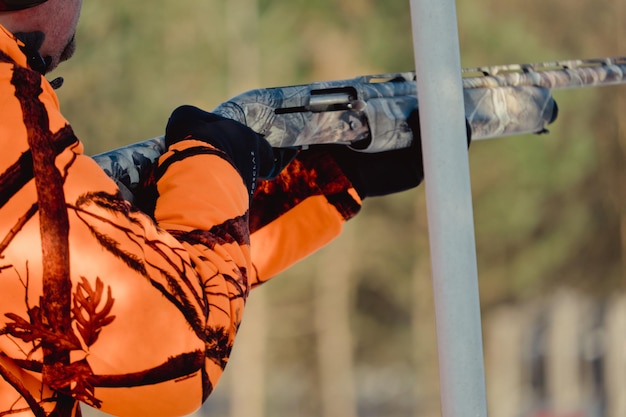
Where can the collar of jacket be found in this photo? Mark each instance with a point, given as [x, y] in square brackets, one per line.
[10, 45]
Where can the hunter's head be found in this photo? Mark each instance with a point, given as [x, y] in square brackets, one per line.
[45, 26]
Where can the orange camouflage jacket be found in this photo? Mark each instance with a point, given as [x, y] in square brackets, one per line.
[131, 313]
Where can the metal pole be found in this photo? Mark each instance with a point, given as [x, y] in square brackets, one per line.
[449, 208]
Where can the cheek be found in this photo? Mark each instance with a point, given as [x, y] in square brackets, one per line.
[72, 18]
[71, 14]
[79, 6]
[71, 22]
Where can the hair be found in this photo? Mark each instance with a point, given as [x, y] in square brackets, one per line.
[12, 5]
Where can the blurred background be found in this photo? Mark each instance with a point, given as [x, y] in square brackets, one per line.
[350, 331]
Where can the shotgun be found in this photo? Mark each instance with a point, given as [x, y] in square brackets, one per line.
[369, 113]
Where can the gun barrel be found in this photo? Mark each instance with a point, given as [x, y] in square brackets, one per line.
[551, 75]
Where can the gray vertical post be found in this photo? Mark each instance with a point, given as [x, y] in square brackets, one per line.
[449, 207]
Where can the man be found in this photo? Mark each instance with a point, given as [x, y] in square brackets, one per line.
[135, 312]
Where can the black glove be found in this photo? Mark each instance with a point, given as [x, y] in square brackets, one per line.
[378, 174]
[248, 151]
[383, 173]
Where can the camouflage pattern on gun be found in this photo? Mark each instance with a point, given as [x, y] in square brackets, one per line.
[369, 113]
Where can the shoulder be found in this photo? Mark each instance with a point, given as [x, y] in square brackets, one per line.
[30, 92]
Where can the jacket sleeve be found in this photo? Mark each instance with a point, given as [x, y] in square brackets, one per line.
[299, 212]
[100, 302]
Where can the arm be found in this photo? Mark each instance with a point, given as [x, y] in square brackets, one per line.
[306, 205]
[300, 211]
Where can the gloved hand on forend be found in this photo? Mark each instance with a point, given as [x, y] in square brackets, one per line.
[383, 173]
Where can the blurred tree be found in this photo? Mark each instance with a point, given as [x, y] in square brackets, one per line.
[333, 305]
